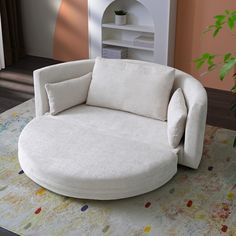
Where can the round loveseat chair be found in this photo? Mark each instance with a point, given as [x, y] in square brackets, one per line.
[99, 153]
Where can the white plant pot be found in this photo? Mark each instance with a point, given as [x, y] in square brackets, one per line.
[120, 20]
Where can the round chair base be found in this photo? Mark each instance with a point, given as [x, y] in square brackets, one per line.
[76, 157]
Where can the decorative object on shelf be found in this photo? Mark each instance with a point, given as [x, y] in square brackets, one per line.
[115, 52]
[120, 17]
[144, 41]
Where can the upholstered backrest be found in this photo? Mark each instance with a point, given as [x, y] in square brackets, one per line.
[196, 101]
[143, 89]
[194, 92]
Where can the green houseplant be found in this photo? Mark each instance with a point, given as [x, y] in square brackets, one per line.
[227, 60]
[120, 17]
[121, 12]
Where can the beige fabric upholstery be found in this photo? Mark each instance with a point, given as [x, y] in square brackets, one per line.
[196, 101]
[68, 93]
[54, 74]
[97, 153]
[125, 85]
[194, 93]
[176, 118]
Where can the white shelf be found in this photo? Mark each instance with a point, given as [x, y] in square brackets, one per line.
[129, 27]
[124, 43]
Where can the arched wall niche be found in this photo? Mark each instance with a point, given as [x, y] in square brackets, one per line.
[157, 14]
[134, 8]
[138, 14]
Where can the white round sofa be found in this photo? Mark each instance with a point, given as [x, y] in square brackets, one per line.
[99, 153]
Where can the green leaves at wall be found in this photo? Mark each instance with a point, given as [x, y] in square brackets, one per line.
[225, 69]
[228, 60]
[228, 17]
[206, 58]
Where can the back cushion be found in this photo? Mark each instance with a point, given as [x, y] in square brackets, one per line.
[136, 87]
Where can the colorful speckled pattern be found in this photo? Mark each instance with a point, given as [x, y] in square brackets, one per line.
[194, 202]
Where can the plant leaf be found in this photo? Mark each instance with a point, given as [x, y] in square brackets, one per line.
[227, 67]
[210, 60]
[211, 67]
[198, 59]
[234, 89]
[200, 64]
[234, 145]
[209, 28]
[234, 17]
[216, 31]
[206, 55]
[231, 23]
[219, 17]
[233, 13]
[227, 57]
[205, 58]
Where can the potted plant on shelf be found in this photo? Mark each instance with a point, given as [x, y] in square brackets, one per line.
[228, 60]
[120, 17]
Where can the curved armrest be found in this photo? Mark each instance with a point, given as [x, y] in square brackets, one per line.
[196, 101]
[54, 74]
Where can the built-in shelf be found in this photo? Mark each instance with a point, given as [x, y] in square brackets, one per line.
[145, 18]
[130, 27]
[124, 43]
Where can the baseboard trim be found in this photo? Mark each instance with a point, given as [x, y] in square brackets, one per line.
[219, 108]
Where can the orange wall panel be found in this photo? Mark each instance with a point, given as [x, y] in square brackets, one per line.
[71, 41]
[193, 17]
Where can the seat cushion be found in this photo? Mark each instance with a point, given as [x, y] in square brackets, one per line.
[97, 153]
[140, 88]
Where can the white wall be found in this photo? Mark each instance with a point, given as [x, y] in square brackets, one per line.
[162, 12]
[39, 21]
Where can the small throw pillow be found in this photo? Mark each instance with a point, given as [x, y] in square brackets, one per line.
[176, 118]
[69, 93]
[137, 87]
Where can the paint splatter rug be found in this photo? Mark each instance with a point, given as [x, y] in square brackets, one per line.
[194, 202]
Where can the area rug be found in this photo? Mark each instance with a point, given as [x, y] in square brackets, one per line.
[194, 202]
